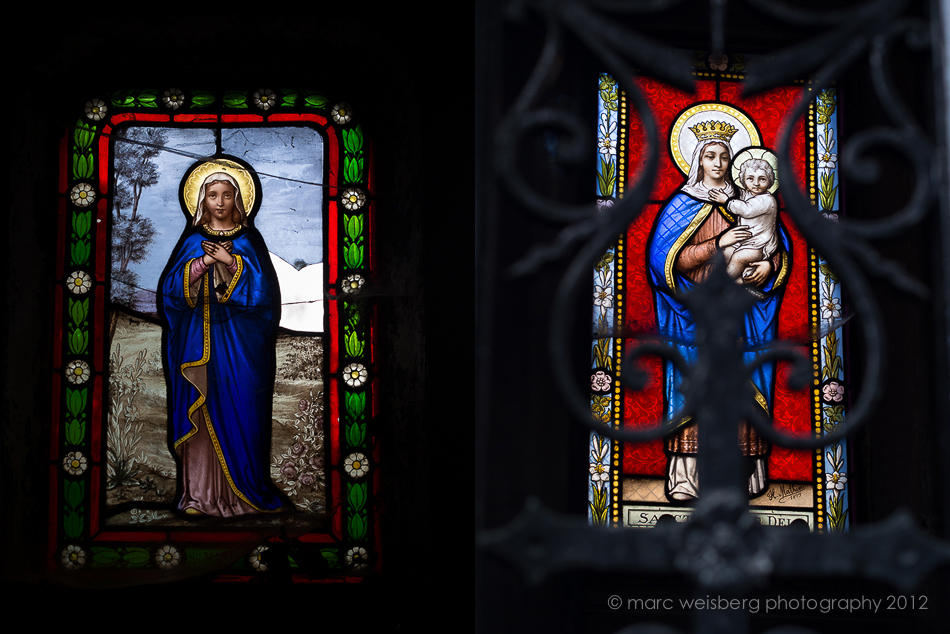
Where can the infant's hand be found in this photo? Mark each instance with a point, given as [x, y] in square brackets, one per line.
[756, 273]
[718, 195]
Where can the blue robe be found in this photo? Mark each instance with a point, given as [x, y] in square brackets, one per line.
[219, 347]
[679, 220]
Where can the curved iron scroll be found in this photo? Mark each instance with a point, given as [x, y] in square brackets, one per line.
[540, 544]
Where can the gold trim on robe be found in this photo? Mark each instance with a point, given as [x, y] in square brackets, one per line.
[196, 373]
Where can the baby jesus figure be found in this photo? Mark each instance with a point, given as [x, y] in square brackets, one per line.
[756, 211]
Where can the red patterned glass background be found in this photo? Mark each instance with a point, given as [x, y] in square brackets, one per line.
[792, 410]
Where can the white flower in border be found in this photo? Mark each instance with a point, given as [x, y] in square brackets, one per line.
[82, 194]
[352, 283]
[342, 113]
[173, 98]
[357, 558]
[599, 453]
[79, 282]
[356, 465]
[837, 464]
[830, 308]
[599, 472]
[602, 296]
[355, 374]
[77, 371]
[836, 480]
[606, 142]
[265, 99]
[75, 463]
[73, 557]
[353, 199]
[255, 558]
[167, 557]
[826, 158]
[96, 109]
[607, 147]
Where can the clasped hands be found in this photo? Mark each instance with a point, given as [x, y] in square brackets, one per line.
[217, 252]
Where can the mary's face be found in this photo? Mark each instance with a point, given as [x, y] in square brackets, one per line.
[219, 201]
[714, 161]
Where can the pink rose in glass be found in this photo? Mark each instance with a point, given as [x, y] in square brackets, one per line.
[599, 381]
[304, 405]
[289, 470]
[834, 391]
[719, 63]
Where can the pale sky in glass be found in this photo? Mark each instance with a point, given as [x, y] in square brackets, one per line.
[289, 163]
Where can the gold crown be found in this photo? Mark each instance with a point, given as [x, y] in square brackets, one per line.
[719, 130]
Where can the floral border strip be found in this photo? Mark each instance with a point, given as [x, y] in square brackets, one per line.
[78, 366]
[831, 382]
[78, 371]
[606, 284]
[355, 349]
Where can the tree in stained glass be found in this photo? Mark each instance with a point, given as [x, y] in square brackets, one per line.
[716, 192]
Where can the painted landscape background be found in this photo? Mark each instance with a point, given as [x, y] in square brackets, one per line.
[141, 467]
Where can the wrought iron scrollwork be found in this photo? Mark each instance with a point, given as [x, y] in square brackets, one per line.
[843, 244]
[539, 542]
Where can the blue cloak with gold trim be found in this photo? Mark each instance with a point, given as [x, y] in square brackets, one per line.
[220, 349]
[679, 219]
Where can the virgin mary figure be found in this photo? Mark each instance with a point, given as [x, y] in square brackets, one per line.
[689, 230]
[221, 306]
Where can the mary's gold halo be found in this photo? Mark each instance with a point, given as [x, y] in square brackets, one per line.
[200, 173]
[682, 140]
[755, 153]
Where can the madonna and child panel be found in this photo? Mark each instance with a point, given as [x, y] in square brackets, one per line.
[716, 194]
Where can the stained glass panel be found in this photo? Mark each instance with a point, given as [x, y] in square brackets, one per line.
[214, 386]
[635, 283]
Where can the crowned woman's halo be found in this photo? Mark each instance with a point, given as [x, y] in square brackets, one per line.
[710, 115]
[762, 153]
[198, 175]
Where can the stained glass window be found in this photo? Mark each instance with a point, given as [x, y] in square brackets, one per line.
[711, 143]
[214, 381]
